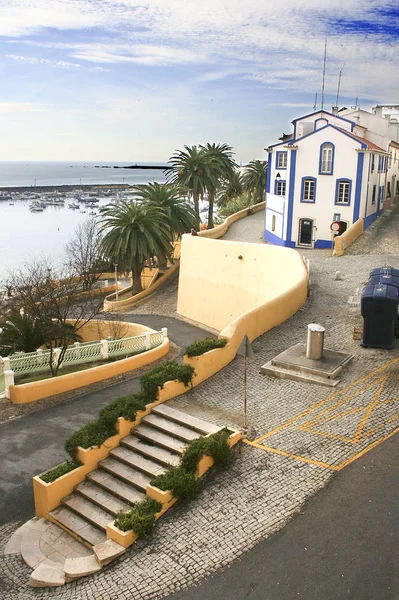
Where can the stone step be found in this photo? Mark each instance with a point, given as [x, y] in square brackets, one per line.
[160, 439]
[115, 486]
[132, 459]
[164, 457]
[128, 474]
[102, 498]
[185, 419]
[76, 525]
[173, 429]
[89, 511]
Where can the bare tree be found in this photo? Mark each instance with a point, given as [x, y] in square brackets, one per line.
[52, 298]
[84, 255]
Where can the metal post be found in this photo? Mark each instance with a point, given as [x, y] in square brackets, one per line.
[245, 387]
[314, 346]
[116, 281]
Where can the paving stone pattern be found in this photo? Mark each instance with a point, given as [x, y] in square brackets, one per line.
[262, 490]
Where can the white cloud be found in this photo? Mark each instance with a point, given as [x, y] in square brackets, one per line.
[22, 107]
[61, 64]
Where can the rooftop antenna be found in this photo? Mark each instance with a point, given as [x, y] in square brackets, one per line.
[339, 84]
[356, 102]
[324, 74]
[315, 103]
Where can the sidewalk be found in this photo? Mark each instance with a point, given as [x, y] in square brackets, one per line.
[267, 485]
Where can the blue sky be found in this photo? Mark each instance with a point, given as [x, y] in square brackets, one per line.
[137, 79]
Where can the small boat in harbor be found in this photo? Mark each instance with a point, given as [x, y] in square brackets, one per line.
[73, 205]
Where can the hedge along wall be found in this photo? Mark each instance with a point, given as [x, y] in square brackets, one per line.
[37, 390]
[350, 235]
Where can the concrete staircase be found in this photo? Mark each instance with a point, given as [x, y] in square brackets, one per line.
[121, 479]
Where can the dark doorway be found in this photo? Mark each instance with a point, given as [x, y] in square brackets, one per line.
[305, 232]
[343, 226]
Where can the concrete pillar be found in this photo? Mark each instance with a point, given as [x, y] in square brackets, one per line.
[104, 349]
[315, 343]
[164, 332]
[6, 363]
[147, 336]
[8, 381]
[56, 356]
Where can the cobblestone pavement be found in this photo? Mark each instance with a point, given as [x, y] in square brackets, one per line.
[266, 485]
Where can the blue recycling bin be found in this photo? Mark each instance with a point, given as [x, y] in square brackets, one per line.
[379, 308]
[384, 271]
[385, 279]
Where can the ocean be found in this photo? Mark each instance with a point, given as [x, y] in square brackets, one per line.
[27, 235]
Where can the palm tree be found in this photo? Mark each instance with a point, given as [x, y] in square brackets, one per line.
[191, 169]
[179, 215]
[135, 232]
[222, 166]
[21, 333]
[230, 189]
[254, 179]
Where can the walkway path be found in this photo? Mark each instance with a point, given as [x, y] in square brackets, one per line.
[266, 486]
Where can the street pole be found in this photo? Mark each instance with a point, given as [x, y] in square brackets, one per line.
[245, 388]
[116, 281]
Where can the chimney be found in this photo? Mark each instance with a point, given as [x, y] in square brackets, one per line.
[335, 110]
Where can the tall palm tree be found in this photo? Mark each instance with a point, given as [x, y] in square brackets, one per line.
[222, 165]
[254, 179]
[21, 333]
[134, 232]
[179, 215]
[230, 189]
[191, 169]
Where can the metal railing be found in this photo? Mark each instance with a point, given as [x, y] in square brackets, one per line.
[80, 353]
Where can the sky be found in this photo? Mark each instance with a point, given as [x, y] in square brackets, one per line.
[134, 80]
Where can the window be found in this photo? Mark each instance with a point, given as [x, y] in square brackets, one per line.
[374, 194]
[308, 193]
[343, 191]
[372, 162]
[281, 162]
[280, 188]
[326, 164]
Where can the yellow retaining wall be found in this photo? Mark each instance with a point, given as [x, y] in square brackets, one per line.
[37, 390]
[350, 235]
[221, 229]
[97, 329]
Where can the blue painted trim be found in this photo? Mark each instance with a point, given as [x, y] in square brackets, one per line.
[358, 188]
[275, 187]
[321, 158]
[273, 239]
[342, 180]
[275, 211]
[278, 153]
[269, 172]
[322, 244]
[370, 219]
[291, 195]
[353, 137]
[278, 144]
[320, 119]
[325, 112]
[303, 189]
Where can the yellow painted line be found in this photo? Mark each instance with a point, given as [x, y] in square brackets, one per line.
[322, 402]
[371, 431]
[334, 436]
[311, 461]
[373, 445]
[369, 411]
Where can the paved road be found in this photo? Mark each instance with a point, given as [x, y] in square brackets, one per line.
[343, 545]
[34, 443]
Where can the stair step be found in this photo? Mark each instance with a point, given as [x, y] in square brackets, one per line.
[75, 524]
[160, 439]
[102, 498]
[132, 459]
[166, 458]
[185, 419]
[89, 511]
[173, 429]
[119, 469]
[115, 486]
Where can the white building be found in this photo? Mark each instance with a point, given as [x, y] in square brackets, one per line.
[334, 168]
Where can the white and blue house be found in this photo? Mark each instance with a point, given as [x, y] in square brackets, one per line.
[327, 171]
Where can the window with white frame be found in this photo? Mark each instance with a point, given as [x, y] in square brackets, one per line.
[344, 190]
[282, 160]
[326, 159]
[280, 188]
[308, 190]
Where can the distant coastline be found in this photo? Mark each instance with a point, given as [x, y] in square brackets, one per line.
[136, 166]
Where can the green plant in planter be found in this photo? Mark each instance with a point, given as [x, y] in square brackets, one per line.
[181, 483]
[201, 346]
[125, 406]
[157, 377]
[141, 518]
[63, 469]
[219, 448]
[93, 434]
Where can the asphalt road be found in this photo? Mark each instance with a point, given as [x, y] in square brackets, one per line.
[343, 545]
[35, 443]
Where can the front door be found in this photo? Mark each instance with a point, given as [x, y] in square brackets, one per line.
[305, 236]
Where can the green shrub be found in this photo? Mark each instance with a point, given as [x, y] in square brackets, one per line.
[181, 483]
[141, 518]
[202, 346]
[157, 377]
[219, 449]
[236, 204]
[193, 454]
[66, 467]
[93, 434]
[124, 406]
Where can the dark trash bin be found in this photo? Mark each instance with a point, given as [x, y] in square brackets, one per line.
[379, 307]
[384, 271]
[385, 279]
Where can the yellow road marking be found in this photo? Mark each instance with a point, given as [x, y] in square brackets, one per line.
[319, 463]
